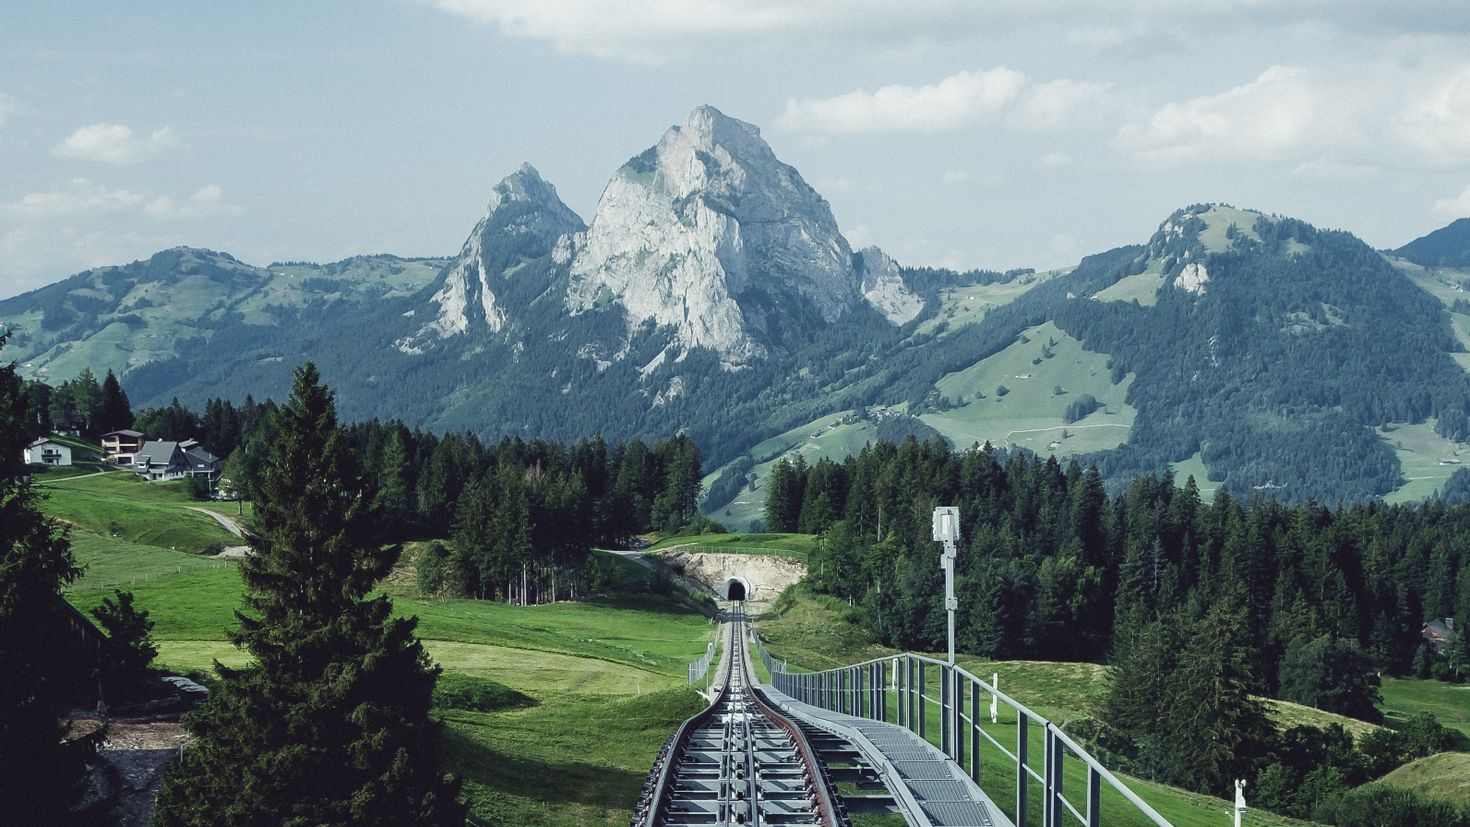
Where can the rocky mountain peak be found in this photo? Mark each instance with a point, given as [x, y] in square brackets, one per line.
[524, 220]
[709, 233]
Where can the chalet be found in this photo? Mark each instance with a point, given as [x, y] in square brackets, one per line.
[167, 460]
[120, 446]
[45, 451]
[1438, 632]
[201, 462]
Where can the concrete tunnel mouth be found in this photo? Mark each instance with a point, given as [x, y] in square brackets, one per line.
[735, 588]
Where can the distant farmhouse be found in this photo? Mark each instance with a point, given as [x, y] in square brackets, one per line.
[166, 460]
[1437, 632]
[47, 451]
[119, 447]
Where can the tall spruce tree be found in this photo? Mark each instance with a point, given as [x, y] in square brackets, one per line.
[330, 726]
[117, 412]
[38, 783]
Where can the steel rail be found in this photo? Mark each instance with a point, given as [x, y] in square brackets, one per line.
[739, 761]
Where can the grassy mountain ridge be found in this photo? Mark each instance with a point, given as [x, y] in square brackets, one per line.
[164, 308]
[1272, 355]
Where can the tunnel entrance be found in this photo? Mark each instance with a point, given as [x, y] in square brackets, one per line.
[734, 589]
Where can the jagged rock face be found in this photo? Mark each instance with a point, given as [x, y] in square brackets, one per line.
[525, 219]
[884, 288]
[710, 234]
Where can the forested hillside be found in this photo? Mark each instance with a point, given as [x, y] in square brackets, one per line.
[1202, 607]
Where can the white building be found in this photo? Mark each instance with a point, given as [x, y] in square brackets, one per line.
[46, 451]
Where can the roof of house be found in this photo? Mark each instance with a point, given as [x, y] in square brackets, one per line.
[1442, 626]
[198, 456]
[123, 432]
[45, 439]
[159, 451]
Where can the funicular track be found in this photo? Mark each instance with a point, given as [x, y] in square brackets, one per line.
[738, 762]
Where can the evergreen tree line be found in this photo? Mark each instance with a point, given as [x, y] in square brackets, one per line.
[82, 402]
[1054, 568]
[1201, 606]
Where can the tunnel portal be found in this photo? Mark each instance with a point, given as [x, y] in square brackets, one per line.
[735, 589]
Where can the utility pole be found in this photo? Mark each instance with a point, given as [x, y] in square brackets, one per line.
[947, 531]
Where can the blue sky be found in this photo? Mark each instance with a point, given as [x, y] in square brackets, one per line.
[988, 134]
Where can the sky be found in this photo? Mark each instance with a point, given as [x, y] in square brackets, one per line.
[980, 133]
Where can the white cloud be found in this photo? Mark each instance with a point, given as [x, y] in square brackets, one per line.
[952, 177]
[115, 143]
[1054, 160]
[1436, 119]
[958, 100]
[1283, 113]
[1457, 207]
[654, 31]
[48, 234]
[1342, 122]
[80, 198]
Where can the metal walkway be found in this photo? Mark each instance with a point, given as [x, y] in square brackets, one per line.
[929, 788]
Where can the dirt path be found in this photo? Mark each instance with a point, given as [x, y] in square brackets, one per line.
[229, 524]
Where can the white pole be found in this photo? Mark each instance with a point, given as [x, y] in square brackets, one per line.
[947, 531]
[1239, 800]
[995, 698]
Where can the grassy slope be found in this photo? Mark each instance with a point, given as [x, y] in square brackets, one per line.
[834, 436]
[177, 308]
[1031, 413]
[960, 306]
[1446, 775]
[1447, 702]
[608, 676]
[1420, 451]
[151, 514]
[796, 546]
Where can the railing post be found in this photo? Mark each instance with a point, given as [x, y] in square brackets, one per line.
[957, 693]
[923, 710]
[946, 742]
[900, 675]
[1049, 778]
[975, 732]
[880, 701]
[1059, 779]
[1094, 797]
[1021, 777]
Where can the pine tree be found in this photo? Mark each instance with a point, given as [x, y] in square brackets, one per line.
[392, 499]
[1219, 730]
[116, 413]
[330, 726]
[38, 784]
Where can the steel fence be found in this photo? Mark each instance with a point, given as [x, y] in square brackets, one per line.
[909, 689]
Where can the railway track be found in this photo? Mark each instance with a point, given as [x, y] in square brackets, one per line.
[738, 762]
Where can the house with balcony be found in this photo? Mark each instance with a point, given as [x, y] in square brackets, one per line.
[47, 451]
[119, 447]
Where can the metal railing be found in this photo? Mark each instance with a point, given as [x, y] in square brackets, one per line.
[700, 668]
[897, 689]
